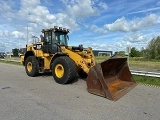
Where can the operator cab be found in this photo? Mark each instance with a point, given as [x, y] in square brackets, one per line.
[54, 38]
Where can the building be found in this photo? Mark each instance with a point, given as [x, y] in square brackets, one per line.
[102, 53]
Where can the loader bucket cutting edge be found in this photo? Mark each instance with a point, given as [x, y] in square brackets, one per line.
[111, 79]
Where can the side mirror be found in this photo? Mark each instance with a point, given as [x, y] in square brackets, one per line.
[67, 37]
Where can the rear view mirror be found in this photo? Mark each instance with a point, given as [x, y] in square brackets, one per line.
[67, 37]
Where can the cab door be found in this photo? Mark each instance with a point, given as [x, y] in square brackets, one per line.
[49, 43]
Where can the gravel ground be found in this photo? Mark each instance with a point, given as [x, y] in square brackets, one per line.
[41, 98]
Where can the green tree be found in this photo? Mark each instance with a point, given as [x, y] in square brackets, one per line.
[121, 53]
[135, 52]
[15, 52]
[153, 49]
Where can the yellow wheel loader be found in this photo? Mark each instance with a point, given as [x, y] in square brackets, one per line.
[111, 79]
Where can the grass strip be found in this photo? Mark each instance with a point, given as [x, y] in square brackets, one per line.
[147, 80]
[10, 62]
[145, 64]
[135, 62]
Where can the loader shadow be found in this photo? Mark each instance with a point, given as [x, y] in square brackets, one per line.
[49, 74]
[46, 74]
[77, 79]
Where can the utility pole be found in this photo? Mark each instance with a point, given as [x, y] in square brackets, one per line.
[27, 29]
[27, 34]
[128, 50]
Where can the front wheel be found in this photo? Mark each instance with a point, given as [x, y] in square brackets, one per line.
[64, 70]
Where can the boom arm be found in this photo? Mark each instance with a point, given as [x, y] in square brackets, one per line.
[83, 60]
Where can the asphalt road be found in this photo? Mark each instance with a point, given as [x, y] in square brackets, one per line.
[41, 98]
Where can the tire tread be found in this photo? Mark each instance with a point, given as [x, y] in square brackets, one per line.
[35, 67]
[71, 71]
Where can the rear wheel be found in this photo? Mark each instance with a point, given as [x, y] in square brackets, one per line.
[64, 70]
[31, 66]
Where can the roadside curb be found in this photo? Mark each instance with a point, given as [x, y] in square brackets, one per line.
[149, 85]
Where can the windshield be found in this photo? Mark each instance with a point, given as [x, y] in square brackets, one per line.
[61, 38]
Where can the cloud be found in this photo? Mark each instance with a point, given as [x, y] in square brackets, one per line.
[118, 44]
[30, 3]
[103, 5]
[136, 24]
[119, 25]
[6, 10]
[158, 3]
[123, 25]
[136, 37]
[146, 10]
[81, 8]
[34, 11]
[95, 29]
[98, 46]
[17, 34]
[4, 33]
[102, 46]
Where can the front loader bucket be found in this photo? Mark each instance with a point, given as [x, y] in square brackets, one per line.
[111, 79]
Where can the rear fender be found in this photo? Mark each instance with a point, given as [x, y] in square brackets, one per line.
[27, 54]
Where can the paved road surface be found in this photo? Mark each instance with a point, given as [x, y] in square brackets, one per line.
[40, 98]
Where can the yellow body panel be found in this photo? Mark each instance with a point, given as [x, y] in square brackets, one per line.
[22, 59]
[47, 61]
[39, 53]
[83, 60]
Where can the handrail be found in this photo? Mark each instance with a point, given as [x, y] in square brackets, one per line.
[145, 73]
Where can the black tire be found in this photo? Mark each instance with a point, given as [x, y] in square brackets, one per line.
[82, 74]
[31, 66]
[67, 67]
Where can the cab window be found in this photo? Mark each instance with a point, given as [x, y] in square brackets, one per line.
[61, 38]
[48, 37]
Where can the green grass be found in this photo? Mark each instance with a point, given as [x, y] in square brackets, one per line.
[145, 64]
[136, 62]
[10, 62]
[147, 80]
[99, 59]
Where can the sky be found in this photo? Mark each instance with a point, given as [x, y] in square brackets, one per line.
[100, 24]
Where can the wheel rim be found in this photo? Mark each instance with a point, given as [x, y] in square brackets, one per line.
[29, 66]
[59, 70]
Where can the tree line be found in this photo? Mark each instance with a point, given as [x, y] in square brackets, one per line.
[152, 51]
